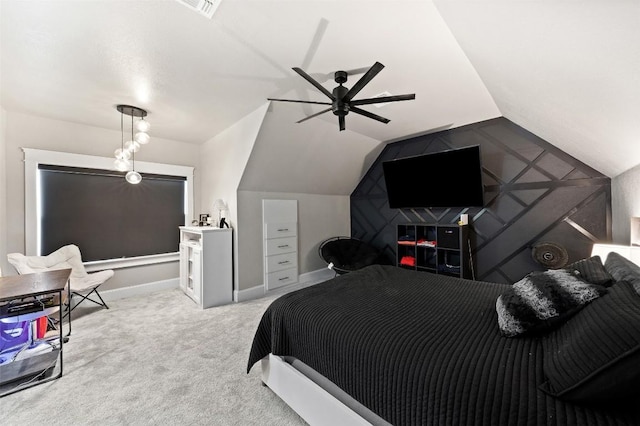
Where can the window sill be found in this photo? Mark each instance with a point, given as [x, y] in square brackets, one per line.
[130, 262]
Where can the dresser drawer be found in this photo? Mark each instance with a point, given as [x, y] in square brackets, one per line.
[279, 262]
[281, 245]
[280, 229]
[280, 278]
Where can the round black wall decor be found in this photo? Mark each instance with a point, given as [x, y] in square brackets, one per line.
[550, 255]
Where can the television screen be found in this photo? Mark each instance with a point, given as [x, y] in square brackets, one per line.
[450, 178]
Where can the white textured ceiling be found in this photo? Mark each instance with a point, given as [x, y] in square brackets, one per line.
[567, 72]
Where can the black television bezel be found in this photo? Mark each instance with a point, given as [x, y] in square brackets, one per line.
[478, 181]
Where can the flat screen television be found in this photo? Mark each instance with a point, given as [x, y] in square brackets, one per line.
[451, 178]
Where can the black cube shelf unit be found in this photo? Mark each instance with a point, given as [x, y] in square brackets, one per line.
[439, 249]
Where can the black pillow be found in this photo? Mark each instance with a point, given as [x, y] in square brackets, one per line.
[595, 356]
[622, 269]
[542, 300]
[592, 270]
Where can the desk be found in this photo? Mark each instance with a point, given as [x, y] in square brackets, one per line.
[27, 287]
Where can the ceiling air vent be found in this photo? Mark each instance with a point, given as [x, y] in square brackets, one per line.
[203, 7]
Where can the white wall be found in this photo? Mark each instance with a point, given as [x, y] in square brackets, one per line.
[4, 265]
[223, 161]
[42, 133]
[625, 204]
[313, 157]
[319, 217]
[219, 165]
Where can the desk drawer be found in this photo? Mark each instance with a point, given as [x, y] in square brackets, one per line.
[281, 245]
[280, 229]
[281, 261]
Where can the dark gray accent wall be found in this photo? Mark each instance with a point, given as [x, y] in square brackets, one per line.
[534, 193]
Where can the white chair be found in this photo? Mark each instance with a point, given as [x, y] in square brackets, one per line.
[81, 283]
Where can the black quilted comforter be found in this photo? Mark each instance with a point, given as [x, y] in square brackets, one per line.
[420, 349]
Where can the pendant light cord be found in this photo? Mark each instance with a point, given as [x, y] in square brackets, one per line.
[133, 152]
[122, 130]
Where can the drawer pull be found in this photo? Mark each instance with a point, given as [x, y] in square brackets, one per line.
[284, 246]
[283, 229]
[283, 262]
[283, 279]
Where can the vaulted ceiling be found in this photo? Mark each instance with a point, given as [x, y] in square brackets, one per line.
[568, 71]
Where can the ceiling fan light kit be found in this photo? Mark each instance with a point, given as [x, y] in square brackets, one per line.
[342, 101]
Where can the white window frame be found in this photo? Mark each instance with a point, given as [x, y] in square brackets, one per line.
[34, 157]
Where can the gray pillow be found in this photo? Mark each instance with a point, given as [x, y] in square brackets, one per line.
[622, 269]
[592, 270]
[594, 357]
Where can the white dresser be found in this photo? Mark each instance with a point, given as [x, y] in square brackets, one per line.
[206, 265]
[280, 248]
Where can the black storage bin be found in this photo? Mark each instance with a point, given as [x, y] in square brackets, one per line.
[449, 237]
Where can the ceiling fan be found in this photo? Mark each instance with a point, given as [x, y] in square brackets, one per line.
[342, 101]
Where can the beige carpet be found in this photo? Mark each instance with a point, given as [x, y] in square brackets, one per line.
[156, 359]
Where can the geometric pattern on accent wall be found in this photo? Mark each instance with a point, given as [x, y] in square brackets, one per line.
[534, 192]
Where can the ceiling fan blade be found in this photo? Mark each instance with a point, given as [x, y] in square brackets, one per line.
[341, 122]
[315, 83]
[298, 101]
[314, 115]
[383, 99]
[315, 42]
[369, 114]
[367, 77]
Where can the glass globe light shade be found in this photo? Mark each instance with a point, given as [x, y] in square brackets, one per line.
[133, 177]
[132, 146]
[143, 126]
[122, 154]
[121, 164]
[142, 138]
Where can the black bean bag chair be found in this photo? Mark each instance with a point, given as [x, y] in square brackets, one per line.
[346, 254]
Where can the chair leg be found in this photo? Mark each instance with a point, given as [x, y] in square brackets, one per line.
[53, 322]
[66, 312]
[86, 297]
[100, 297]
[70, 306]
[69, 296]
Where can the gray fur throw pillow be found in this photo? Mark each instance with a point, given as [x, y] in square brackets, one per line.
[543, 300]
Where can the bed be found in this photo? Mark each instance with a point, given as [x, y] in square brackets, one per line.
[385, 345]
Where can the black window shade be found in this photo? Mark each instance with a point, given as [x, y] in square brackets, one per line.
[107, 217]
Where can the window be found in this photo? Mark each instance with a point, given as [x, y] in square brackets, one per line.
[76, 199]
[107, 217]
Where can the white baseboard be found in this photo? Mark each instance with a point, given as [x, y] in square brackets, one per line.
[139, 290]
[304, 280]
[251, 293]
[317, 276]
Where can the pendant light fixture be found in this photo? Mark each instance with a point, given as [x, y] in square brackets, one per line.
[127, 150]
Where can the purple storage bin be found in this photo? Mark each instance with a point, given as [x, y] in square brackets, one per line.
[13, 335]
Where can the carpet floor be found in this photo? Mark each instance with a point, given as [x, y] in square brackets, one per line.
[155, 359]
